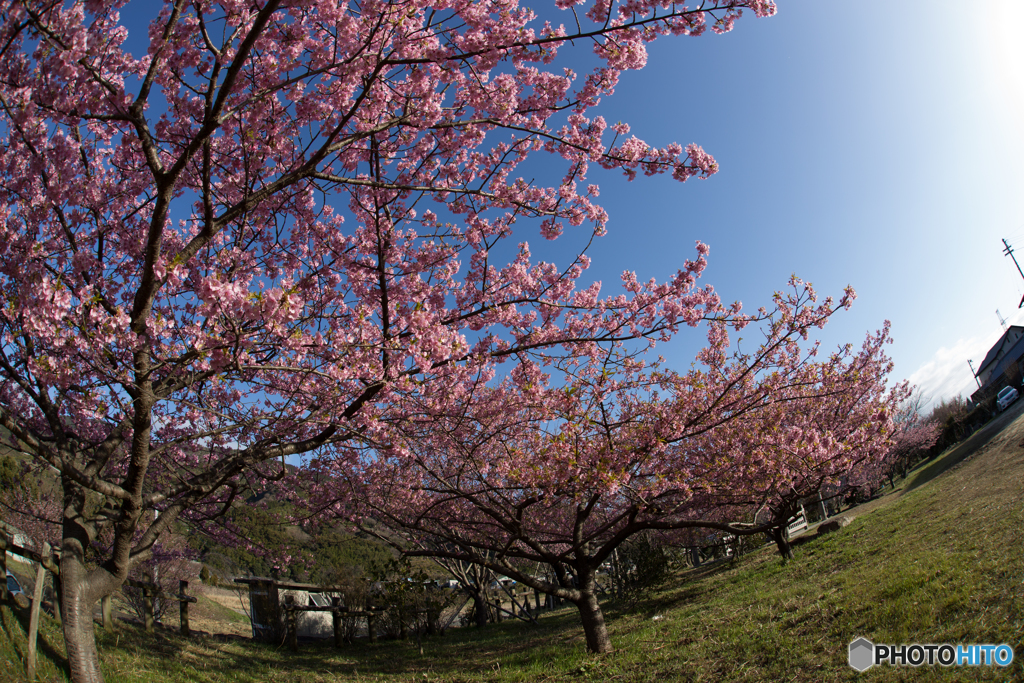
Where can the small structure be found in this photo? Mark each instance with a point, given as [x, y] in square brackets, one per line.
[312, 623]
[313, 609]
[1001, 362]
[264, 609]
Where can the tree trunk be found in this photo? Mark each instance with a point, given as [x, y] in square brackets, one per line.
[479, 608]
[781, 535]
[591, 615]
[79, 636]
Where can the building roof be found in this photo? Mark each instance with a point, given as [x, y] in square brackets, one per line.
[993, 353]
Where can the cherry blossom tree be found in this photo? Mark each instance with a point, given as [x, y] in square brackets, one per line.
[561, 465]
[257, 235]
[915, 435]
[835, 441]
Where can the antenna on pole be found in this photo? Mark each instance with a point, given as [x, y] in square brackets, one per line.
[1009, 252]
[1002, 321]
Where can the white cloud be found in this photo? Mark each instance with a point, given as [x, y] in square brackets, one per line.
[947, 373]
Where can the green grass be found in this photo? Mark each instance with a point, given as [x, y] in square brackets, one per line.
[50, 657]
[943, 562]
[215, 610]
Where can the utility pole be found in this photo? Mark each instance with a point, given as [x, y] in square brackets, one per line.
[1002, 321]
[973, 373]
[1008, 251]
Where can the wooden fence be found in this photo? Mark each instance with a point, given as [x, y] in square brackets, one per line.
[150, 592]
[276, 621]
[49, 561]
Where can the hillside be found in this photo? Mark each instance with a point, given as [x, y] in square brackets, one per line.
[939, 560]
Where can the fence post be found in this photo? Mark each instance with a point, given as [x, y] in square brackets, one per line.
[371, 625]
[33, 620]
[290, 623]
[183, 608]
[336, 620]
[108, 622]
[58, 596]
[4, 595]
[147, 608]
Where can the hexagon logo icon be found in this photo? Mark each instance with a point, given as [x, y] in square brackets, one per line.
[862, 654]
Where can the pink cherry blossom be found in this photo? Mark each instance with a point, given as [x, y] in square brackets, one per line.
[562, 462]
[269, 230]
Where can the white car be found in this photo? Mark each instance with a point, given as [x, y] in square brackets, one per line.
[1005, 397]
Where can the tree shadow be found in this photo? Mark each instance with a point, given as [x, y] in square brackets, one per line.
[690, 586]
[962, 451]
[246, 659]
[15, 630]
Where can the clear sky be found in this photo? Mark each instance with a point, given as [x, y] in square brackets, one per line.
[881, 148]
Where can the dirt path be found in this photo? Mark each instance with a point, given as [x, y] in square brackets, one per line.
[227, 597]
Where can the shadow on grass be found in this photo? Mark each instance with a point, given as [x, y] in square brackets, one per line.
[691, 584]
[470, 650]
[14, 625]
[960, 452]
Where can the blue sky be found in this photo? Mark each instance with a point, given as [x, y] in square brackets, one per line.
[881, 149]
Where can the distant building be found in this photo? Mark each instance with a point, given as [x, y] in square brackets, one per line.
[1002, 364]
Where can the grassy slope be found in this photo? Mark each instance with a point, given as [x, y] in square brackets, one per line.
[50, 662]
[942, 562]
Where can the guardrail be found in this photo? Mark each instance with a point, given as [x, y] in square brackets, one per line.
[798, 524]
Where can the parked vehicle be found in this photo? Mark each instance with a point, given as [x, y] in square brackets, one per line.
[13, 586]
[1005, 397]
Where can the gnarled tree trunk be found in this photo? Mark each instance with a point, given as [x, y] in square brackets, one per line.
[76, 609]
[80, 587]
[591, 615]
